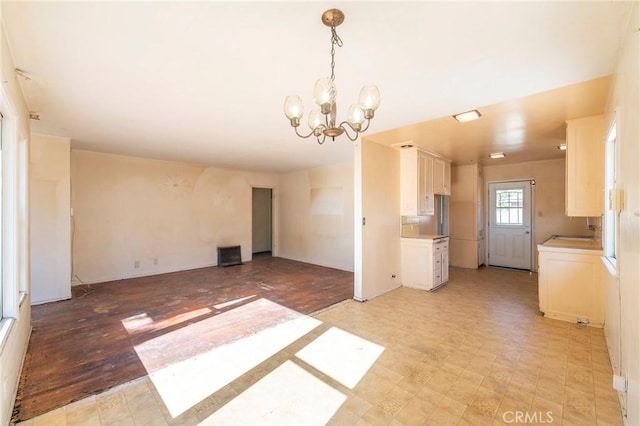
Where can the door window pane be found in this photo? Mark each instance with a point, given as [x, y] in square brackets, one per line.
[509, 206]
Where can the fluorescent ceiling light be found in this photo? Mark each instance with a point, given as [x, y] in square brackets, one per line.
[463, 117]
[498, 155]
[562, 147]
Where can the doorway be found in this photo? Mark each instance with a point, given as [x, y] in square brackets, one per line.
[510, 206]
[262, 223]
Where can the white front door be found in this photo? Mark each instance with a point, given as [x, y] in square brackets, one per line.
[510, 224]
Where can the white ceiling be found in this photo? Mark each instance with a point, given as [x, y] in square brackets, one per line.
[205, 82]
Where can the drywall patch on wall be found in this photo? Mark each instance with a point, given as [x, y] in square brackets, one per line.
[178, 186]
[327, 201]
[317, 218]
[217, 194]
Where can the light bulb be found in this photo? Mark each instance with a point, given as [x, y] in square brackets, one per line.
[324, 92]
[293, 107]
[369, 98]
[355, 116]
[316, 119]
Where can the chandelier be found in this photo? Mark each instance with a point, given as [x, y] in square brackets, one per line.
[323, 121]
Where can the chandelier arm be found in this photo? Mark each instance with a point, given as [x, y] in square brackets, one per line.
[346, 132]
[364, 129]
[301, 135]
[321, 141]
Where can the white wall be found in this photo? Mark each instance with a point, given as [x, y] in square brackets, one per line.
[380, 205]
[625, 101]
[135, 216]
[316, 216]
[50, 194]
[16, 323]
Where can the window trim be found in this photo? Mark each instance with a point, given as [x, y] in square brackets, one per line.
[611, 218]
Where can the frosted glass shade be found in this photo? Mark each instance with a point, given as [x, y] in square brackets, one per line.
[355, 115]
[324, 92]
[369, 97]
[293, 107]
[315, 119]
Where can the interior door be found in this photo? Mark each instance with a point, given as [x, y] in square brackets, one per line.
[510, 224]
[261, 237]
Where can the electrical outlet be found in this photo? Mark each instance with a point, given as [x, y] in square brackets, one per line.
[155, 260]
[136, 264]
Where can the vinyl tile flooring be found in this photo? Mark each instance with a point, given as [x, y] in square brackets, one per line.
[475, 352]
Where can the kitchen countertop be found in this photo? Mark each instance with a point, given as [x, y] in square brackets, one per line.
[425, 236]
[568, 242]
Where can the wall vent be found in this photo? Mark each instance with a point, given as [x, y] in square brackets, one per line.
[229, 256]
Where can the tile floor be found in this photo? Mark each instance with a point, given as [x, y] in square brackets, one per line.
[475, 352]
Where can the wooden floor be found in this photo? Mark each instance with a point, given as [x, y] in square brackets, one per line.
[84, 345]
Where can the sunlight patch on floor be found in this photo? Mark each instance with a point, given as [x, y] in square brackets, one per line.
[143, 322]
[341, 355]
[233, 302]
[189, 364]
[288, 395]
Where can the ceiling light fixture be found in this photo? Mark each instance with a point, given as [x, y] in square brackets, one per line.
[497, 155]
[463, 117]
[324, 93]
[562, 147]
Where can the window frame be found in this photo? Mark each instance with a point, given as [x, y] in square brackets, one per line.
[519, 209]
[611, 217]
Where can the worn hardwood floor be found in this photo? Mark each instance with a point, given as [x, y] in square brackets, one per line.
[84, 345]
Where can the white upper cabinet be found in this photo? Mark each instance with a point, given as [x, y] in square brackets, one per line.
[422, 176]
[441, 176]
[584, 190]
[416, 183]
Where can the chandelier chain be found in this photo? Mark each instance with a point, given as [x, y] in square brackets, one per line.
[335, 40]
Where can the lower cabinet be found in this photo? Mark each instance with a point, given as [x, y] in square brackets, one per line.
[424, 262]
[570, 285]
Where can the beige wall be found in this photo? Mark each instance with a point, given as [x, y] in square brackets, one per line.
[317, 216]
[15, 324]
[50, 194]
[135, 216]
[548, 214]
[380, 207]
[625, 102]
[466, 216]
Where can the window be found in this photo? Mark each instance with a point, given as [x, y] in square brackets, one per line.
[611, 213]
[509, 206]
[1, 227]
[13, 215]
